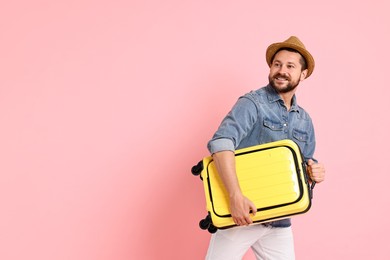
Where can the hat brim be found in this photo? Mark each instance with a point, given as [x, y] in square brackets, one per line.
[273, 48]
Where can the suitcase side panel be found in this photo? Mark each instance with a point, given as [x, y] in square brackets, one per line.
[270, 175]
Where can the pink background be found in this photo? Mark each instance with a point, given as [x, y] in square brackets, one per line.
[106, 105]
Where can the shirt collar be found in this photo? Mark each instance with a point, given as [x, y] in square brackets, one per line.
[273, 96]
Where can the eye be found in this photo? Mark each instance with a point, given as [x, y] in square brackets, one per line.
[290, 66]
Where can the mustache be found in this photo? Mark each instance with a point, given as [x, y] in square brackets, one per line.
[281, 76]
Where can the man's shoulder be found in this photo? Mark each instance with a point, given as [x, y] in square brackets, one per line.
[303, 113]
[257, 96]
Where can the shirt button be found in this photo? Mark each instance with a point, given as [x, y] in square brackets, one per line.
[284, 124]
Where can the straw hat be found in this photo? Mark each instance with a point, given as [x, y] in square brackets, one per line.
[293, 43]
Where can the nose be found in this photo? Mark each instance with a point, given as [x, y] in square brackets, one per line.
[283, 70]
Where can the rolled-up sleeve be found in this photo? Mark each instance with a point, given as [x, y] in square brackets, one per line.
[222, 144]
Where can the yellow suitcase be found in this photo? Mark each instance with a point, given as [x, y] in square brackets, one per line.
[272, 175]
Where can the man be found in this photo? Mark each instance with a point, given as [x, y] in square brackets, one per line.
[268, 114]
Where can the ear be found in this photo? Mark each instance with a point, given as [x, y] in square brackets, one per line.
[303, 75]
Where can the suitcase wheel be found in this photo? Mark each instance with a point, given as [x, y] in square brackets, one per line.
[212, 229]
[197, 169]
[206, 224]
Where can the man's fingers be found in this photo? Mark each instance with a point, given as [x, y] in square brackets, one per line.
[317, 172]
[248, 220]
[318, 169]
[241, 215]
[253, 209]
[310, 162]
[243, 220]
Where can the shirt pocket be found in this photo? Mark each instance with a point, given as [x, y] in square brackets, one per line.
[300, 135]
[273, 124]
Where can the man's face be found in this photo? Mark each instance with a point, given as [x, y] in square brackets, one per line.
[286, 71]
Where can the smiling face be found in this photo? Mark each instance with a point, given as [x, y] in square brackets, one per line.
[286, 71]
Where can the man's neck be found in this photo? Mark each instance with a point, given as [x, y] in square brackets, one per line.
[287, 98]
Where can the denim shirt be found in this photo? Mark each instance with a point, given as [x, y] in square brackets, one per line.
[261, 117]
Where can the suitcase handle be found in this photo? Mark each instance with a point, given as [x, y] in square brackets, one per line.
[313, 183]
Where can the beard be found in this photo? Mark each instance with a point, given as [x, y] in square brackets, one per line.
[292, 84]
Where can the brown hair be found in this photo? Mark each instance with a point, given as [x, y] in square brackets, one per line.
[302, 60]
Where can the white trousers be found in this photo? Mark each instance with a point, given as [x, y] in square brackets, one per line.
[267, 243]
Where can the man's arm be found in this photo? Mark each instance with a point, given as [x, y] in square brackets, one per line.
[240, 206]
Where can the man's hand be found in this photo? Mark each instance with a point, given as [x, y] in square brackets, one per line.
[240, 207]
[316, 171]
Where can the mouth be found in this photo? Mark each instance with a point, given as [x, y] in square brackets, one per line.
[281, 78]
